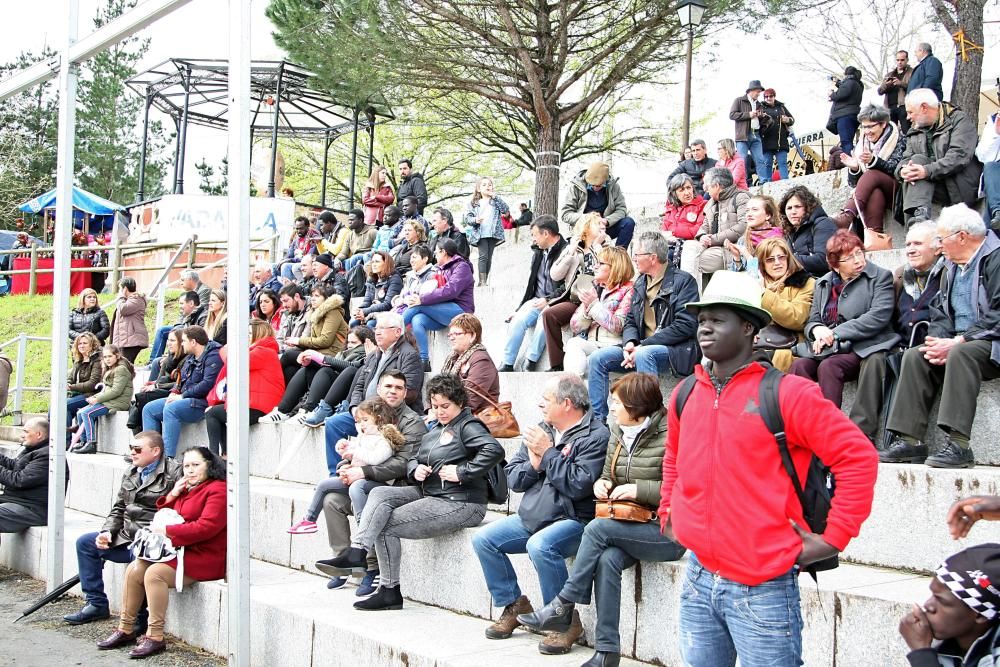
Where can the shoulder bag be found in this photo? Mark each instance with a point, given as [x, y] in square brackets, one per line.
[622, 510]
[497, 416]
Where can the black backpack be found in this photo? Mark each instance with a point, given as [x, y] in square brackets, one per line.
[818, 492]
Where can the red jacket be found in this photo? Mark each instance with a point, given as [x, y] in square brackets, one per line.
[203, 533]
[267, 382]
[727, 496]
[684, 221]
[375, 202]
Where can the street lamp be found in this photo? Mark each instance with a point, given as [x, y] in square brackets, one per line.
[690, 13]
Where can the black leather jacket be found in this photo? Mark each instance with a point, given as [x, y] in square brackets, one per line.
[466, 442]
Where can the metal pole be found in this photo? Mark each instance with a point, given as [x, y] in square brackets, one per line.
[22, 355]
[60, 301]
[182, 146]
[142, 153]
[326, 160]
[274, 131]
[354, 158]
[371, 139]
[686, 131]
[177, 150]
[238, 376]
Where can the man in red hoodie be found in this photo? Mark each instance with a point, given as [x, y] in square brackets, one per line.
[726, 497]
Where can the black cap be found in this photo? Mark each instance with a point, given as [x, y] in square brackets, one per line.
[325, 259]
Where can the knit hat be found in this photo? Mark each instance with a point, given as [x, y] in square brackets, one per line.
[325, 259]
[972, 575]
[735, 290]
[597, 173]
[754, 85]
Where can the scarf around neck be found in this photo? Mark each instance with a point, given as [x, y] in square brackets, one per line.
[455, 362]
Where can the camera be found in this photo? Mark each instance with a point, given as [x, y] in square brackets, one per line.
[835, 79]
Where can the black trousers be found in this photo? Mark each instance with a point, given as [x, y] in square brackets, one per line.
[215, 423]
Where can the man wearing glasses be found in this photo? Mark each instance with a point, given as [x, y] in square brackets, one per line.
[894, 86]
[961, 350]
[659, 332]
[151, 476]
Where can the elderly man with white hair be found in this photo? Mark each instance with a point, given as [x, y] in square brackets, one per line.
[939, 164]
[263, 278]
[961, 350]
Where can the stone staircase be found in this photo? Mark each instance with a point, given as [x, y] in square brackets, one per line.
[850, 616]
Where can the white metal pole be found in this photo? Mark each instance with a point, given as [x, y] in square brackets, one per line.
[60, 298]
[237, 378]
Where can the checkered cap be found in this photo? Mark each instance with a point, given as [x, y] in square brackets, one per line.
[973, 576]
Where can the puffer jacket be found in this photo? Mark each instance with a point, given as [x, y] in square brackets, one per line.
[465, 442]
[421, 283]
[684, 221]
[267, 383]
[847, 98]
[117, 392]
[327, 327]
[128, 327]
[643, 465]
[354, 356]
[563, 486]
[604, 321]
[94, 320]
[379, 293]
[86, 374]
[198, 375]
[809, 241]
[725, 220]
[458, 286]
[136, 503]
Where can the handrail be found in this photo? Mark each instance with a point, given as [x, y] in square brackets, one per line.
[170, 264]
[19, 386]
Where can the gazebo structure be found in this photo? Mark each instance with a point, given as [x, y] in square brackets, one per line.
[283, 103]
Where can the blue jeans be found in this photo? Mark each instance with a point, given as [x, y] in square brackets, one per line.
[753, 146]
[782, 156]
[88, 417]
[160, 342]
[429, 317]
[991, 184]
[335, 428]
[622, 231]
[721, 619]
[353, 260]
[547, 548]
[609, 548]
[90, 561]
[525, 318]
[357, 492]
[167, 418]
[847, 126]
[73, 405]
[650, 359]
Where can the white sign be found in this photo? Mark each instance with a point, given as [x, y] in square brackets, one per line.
[177, 217]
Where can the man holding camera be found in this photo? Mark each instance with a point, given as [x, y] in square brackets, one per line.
[750, 121]
[894, 89]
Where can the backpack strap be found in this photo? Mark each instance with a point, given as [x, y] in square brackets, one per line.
[683, 392]
[770, 412]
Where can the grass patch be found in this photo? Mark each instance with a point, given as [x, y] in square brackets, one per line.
[32, 315]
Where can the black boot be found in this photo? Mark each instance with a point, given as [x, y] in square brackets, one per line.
[384, 598]
[952, 455]
[602, 659]
[556, 616]
[900, 451]
[352, 560]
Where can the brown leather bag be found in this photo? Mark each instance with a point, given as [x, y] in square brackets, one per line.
[622, 510]
[497, 416]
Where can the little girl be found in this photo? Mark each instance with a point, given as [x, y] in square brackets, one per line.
[377, 440]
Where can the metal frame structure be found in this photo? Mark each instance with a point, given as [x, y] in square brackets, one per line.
[283, 103]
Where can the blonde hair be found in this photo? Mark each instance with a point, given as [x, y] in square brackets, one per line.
[418, 228]
[767, 247]
[622, 270]
[215, 320]
[95, 346]
[587, 227]
[83, 296]
[771, 208]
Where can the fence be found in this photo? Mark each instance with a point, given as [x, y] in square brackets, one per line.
[19, 388]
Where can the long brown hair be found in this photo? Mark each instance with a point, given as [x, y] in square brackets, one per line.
[771, 208]
[373, 181]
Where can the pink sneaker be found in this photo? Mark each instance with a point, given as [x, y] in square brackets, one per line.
[303, 527]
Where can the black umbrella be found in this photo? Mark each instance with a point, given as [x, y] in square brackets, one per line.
[56, 593]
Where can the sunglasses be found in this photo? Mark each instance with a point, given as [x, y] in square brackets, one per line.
[136, 449]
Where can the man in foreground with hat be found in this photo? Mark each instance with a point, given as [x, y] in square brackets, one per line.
[595, 190]
[751, 120]
[961, 613]
[727, 498]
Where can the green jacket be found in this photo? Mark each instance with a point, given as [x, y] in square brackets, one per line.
[117, 392]
[576, 201]
[644, 466]
[950, 145]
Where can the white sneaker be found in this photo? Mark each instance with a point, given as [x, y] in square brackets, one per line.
[273, 417]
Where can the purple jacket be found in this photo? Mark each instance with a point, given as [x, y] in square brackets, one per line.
[458, 288]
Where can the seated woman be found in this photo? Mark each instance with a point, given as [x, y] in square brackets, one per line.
[852, 305]
[471, 362]
[436, 309]
[788, 291]
[413, 235]
[383, 284]
[88, 316]
[327, 331]
[128, 325]
[422, 278]
[575, 268]
[633, 472]
[200, 498]
[266, 385]
[600, 318]
[84, 376]
[807, 228]
[871, 171]
[115, 394]
[725, 220]
[731, 160]
[215, 323]
[269, 308]
[446, 492]
[684, 214]
[162, 384]
[763, 222]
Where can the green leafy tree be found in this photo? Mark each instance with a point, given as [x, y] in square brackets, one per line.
[209, 184]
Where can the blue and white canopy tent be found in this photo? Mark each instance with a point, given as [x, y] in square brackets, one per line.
[91, 213]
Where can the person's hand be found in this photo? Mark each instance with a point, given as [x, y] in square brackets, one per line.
[341, 447]
[349, 475]
[421, 472]
[91, 401]
[734, 249]
[915, 629]
[158, 530]
[628, 356]
[849, 161]
[103, 540]
[667, 531]
[822, 337]
[967, 511]
[539, 304]
[913, 172]
[865, 157]
[814, 547]
[412, 300]
[449, 473]
[625, 492]
[588, 297]
[178, 487]
[173, 397]
[292, 341]
[706, 241]
[936, 349]
[537, 441]
[304, 358]
[370, 346]
[601, 488]
[358, 314]
[786, 119]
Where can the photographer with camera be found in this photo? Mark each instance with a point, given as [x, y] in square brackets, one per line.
[750, 121]
[894, 89]
[846, 98]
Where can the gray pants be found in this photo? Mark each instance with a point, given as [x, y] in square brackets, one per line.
[959, 381]
[338, 502]
[868, 400]
[14, 517]
[397, 512]
[924, 192]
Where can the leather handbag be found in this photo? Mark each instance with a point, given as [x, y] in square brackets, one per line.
[873, 240]
[804, 350]
[776, 337]
[624, 510]
[497, 416]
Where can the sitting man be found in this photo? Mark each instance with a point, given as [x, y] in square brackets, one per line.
[360, 237]
[303, 243]
[293, 320]
[443, 226]
[394, 352]
[263, 279]
[695, 166]
[186, 402]
[725, 220]
[658, 335]
[961, 350]
[939, 164]
[325, 271]
[555, 469]
[333, 234]
[25, 479]
[988, 152]
[151, 477]
[592, 190]
[410, 212]
[359, 481]
[194, 310]
[541, 287]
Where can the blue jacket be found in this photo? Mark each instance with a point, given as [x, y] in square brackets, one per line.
[928, 74]
[378, 295]
[198, 374]
[675, 325]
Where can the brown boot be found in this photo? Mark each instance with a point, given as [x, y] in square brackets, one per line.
[558, 643]
[845, 219]
[505, 626]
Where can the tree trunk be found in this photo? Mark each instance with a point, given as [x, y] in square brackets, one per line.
[548, 157]
[968, 74]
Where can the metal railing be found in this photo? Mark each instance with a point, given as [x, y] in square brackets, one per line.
[17, 409]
